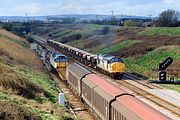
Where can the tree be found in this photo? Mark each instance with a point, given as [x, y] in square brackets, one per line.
[168, 18]
[8, 26]
[68, 20]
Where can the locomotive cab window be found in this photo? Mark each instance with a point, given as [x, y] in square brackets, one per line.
[116, 60]
[61, 59]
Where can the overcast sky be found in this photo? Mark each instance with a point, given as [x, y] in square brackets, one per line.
[57, 7]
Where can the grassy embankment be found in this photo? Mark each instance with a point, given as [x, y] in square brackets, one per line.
[72, 34]
[169, 31]
[26, 92]
[174, 52]
[116, 47]
[146, 63]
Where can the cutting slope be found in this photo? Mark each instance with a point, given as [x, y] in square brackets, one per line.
[26, 92]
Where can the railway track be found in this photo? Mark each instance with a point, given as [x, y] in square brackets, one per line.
[151, 97]
[129, 76]
[148, 84]
[142, 92]
[76, 106]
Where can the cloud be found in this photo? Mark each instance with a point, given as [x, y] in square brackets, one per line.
[30, 8]
[168, 1]
[47, 7]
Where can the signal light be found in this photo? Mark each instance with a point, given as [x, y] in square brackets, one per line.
[165, 64]
[162, 76]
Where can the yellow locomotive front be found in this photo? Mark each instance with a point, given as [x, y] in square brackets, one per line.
[61, 62]
[111, 65]
[58, 61]
[117, 69]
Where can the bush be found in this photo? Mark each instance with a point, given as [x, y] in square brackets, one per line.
[29, 39]
[105, 30]
[131, 23]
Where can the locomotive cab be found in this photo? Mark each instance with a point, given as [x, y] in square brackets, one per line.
[116, 65]
[111, 65]
[58, 60]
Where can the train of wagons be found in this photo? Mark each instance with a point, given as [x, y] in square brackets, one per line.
[110, 65]
[105, 100]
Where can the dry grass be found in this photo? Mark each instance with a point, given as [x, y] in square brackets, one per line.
[10, 35]
[18, 54]
[12, 111]
[11, 81]
[25, 92]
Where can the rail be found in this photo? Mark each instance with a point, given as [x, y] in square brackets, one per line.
[153, 98]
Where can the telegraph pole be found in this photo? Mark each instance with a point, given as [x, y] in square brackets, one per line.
[97, 19]
[121, 18]
[150, 16]
[27, 17]
[112, 12]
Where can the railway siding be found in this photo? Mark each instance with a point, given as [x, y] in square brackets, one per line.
[168, 95]
[138, 90]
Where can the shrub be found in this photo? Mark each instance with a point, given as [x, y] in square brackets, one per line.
[131, 23]
[105, 30]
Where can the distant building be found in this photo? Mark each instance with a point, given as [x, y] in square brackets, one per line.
[4, 20]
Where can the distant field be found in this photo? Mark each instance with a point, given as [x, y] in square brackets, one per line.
[76, 43]
[170, 31]
[116, 47]
[85, 29]
[89, 28]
